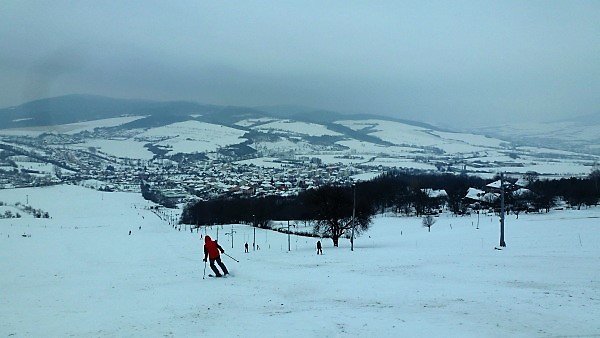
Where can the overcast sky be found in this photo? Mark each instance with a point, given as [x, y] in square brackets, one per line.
[447, 62]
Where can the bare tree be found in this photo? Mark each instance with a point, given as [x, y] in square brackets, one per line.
[332, 212]
[531, 177]
[428, 221]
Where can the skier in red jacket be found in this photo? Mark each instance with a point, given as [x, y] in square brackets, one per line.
[211, 251]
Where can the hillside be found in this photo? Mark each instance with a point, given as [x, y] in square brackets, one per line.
[78, 108]
[79, 273]
[580, 134]
[146, 130]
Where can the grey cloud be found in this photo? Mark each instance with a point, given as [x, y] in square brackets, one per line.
[438, 62]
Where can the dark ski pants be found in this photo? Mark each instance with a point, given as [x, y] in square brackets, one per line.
[214, 268]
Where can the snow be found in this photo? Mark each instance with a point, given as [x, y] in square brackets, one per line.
[127, 148]
[435, 193]
[75, 128]
[567, 131]
[296, 127]
[475, 194]
[264, 162]
[391, 162]
[403, 134]
[81, 274]
[496, 184]
[253, 122]
[71, 128]
[472, 139]
[193, 136]
[43, 168]
[563, 168]
[366, 176]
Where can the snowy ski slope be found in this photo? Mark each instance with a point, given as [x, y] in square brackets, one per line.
[81, 274]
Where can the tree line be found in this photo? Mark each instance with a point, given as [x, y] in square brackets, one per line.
[330, 208]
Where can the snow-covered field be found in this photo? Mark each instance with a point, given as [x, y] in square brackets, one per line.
[71, 128]
[129, 148]
[408, 146]
[193, 136]
[81, 274]
[297, 127]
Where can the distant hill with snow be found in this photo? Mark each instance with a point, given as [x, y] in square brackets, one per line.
[145, 130]
[579, 134]
[77, 108]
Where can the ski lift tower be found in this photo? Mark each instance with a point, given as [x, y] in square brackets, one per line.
[501, 185]
[231, 233]
[353, 216]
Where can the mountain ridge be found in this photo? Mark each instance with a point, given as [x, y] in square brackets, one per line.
[73, 108]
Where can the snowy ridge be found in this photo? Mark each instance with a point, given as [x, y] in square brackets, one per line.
[374, 143]
[575, 135]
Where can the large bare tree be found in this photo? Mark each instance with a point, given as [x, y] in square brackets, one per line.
[332, 209]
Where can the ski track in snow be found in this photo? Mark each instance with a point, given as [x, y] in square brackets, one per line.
[81, 274]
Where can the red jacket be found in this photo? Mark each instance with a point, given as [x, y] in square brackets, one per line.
[211, 248]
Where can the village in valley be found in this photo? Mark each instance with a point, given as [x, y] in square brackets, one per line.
[178, 163]
[34, 162]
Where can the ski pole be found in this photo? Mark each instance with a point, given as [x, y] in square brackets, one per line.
[231, 257]
[204, 275]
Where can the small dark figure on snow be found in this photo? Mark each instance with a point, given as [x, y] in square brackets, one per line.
[130, 232]
[246, 247]
[211, 251]
[319, 248]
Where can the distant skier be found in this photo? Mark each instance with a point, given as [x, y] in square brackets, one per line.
[211, 251]
[319, 248]
[130, 232]
[246, 247]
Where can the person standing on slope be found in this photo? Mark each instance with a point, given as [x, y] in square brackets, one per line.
[211, 251]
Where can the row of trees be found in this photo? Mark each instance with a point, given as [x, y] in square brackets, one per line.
[156, 196]
[37, 213]
[330, 208]
[577, 192]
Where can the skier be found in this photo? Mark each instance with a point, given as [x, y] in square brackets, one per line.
[246, 248]
[211, 251]
[319, 248]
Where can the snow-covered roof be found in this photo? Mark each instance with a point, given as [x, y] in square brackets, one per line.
[521, 192]
[522, 182]
[495, 184]
[480, 195]
[490, 197]
[435, 193]
[474, 194]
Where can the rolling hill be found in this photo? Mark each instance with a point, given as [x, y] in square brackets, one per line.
[115, 127]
